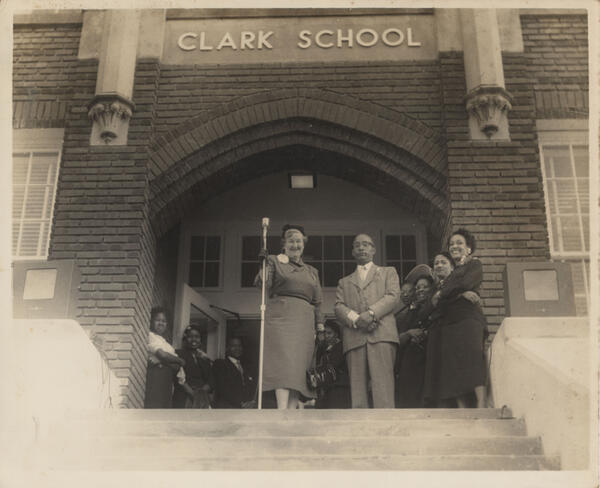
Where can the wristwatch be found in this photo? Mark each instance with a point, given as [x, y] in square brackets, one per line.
[372, 315]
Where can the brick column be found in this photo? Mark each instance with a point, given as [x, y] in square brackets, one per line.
[495, 188]
[101, 220]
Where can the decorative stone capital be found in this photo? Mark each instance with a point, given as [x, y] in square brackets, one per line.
[110, 115]
[489, 106]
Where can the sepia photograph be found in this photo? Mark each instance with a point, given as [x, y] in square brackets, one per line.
[302, 243]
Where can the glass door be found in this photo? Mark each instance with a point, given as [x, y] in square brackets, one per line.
[195, 309]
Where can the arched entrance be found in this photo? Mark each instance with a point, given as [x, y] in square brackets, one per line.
[376, 170]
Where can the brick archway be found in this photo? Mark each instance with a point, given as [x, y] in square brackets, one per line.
[378, 148]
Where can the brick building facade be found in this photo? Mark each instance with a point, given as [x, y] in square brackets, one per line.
[398, 129]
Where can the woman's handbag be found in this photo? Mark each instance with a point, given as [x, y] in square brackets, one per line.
[320, 376]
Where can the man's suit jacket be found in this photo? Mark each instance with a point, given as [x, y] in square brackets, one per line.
[380, 292]
[230, 390]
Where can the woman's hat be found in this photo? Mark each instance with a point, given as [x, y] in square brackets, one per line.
[287, 227]
[418, 272]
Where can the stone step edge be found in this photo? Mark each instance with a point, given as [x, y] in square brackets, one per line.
[220, 464]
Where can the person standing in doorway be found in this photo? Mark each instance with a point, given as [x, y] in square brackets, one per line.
[164, 366]
[365, 304]
[234, 388]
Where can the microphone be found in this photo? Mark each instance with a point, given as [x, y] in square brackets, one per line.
[265, 226]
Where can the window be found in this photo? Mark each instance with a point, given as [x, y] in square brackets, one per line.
[401, 253]
[205, 261]
[330, 255]
[36, 160]
[565, 169]
[251, 246]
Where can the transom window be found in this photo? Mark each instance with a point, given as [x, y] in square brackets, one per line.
[565, 169]
[205, 261]
[35, 168]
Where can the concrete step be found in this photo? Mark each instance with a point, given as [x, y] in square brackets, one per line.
[292, 445]
[314, 463]
[271, 415]
[436, 427]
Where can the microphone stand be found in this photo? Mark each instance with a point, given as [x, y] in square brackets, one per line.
[265, 226]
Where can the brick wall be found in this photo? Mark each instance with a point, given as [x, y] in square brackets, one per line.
[165, 278]
[47, 75]
[410, 88]
[556, 49]
[496, 188]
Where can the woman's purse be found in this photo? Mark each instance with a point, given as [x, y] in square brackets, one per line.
[320, 376]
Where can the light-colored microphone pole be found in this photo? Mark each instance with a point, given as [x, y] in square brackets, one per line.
[265, 226]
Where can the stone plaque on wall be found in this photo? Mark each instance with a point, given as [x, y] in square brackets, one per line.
[299, 39]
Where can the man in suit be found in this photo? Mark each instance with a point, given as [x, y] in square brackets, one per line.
[365, 304]
[233, 387]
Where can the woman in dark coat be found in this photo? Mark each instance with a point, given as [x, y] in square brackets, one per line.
[195, 392]
[335, 393]
[412, 335]
[456, 365]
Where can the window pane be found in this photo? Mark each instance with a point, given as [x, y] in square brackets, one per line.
[582, 167]
[349, 267]
[571, 233]
[409, 247]
[560, 160]
[333, 247]
[15, 237]
[211, 277]
[273, 244]
[250, 248]
[551, 189]
[29, 239]
[398, 266]
[18, 195]
[196, 274]
[42, 168]
[566, 196]
[36, 197]
[45, 231]
[583, 190]
[332, 273]
[392, 247]
[586, 233]
[249, 271]
[407, 266]
[312, 250]
[197, 248]
[213, 248]
[20, 164]
[348, 240]
[318, 266]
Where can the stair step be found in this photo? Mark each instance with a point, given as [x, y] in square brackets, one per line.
[174, 446]
[341, 428]
[313, 463]
[271, 415]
